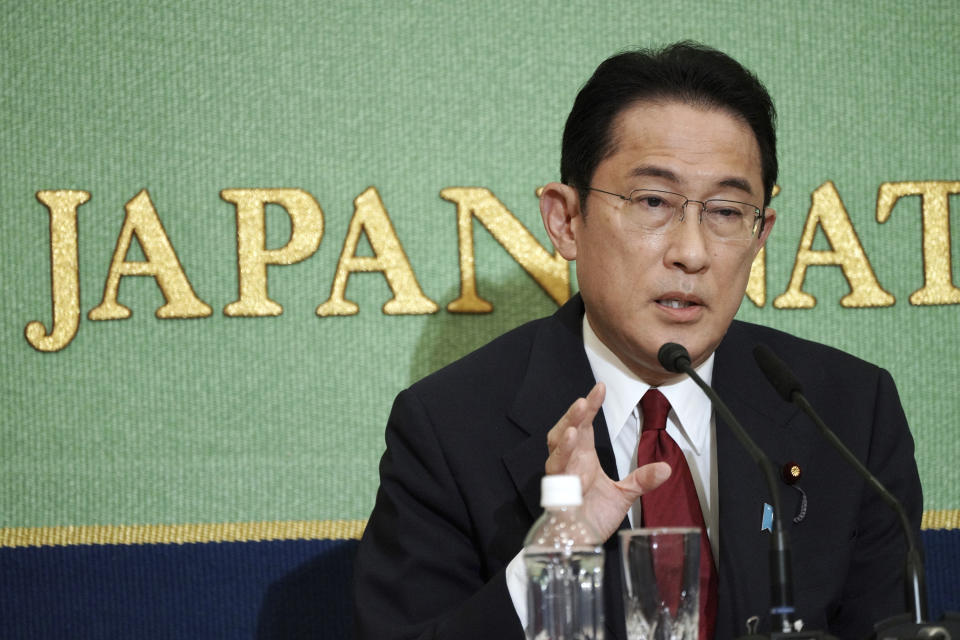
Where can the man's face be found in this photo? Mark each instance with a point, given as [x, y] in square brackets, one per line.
[642, 290]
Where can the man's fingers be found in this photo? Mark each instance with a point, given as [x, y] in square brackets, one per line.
[645, 478]
[563, 447]
[595, 398]
[569, 419]
[580, 413]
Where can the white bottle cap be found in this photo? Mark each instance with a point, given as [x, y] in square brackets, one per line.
[560, 491]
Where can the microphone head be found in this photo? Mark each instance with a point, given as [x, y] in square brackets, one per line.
[674, 357]
[777, 373]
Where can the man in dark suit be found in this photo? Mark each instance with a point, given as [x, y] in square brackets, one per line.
[669, 161]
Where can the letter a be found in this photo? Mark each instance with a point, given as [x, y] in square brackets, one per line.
[827, 211]
[370, 217]
[162, 264]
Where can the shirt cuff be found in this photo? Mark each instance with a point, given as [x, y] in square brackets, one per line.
[516, 575]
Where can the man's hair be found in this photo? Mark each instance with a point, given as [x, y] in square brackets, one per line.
[687, 72]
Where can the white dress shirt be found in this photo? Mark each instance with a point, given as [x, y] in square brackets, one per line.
[690, 423]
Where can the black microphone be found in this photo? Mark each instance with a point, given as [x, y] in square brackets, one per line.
[787, 385]
[675, 358]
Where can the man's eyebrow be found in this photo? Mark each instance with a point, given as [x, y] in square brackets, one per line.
[650, 171]
[737, 183]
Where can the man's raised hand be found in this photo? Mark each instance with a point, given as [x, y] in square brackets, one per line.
[572, 451]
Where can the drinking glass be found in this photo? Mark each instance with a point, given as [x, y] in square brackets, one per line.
[661, 582]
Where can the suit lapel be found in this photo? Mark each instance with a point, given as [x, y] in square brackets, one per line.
[558, 373]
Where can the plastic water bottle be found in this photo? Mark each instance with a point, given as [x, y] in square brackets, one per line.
[564, 560]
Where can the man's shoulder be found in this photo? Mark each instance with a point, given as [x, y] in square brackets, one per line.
[799, 353]
[548, 342]
[499, 362]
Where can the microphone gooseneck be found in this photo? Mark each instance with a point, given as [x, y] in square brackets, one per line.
[777, 373]
[675, 358]
[787, 386]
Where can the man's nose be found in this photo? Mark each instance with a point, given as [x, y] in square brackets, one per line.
[687, 248]
[698, 211]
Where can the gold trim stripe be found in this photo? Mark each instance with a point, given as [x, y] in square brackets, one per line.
[182, 533]
[941, 519]
[252, 532]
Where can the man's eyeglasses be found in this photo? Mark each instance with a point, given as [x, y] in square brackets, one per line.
[657, 212]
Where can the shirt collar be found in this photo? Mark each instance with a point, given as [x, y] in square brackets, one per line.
[690, 406]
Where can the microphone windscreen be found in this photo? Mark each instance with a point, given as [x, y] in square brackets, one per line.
[673, 357]
[777, 372]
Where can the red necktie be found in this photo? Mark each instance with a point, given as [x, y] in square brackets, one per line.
[675, 502]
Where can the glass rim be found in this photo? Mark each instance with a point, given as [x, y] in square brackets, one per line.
[653, 531]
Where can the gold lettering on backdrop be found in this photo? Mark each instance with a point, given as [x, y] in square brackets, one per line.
[370, 217]
[827, 212]
[757, 283]
[306, 224]
[64, 271]
[161, 264]
[938, 287]
[550, 271]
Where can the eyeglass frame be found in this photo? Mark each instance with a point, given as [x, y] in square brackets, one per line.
[759, 214]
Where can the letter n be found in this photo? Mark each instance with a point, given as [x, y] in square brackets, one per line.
[550, 271]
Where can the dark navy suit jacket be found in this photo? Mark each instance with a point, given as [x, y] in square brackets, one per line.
[466, 448]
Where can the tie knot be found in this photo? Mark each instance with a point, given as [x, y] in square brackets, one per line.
[655, 408]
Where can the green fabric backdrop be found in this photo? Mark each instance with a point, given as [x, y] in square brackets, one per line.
[226, 419]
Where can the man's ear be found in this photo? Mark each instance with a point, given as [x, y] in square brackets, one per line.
[770, 216]
[560, 211]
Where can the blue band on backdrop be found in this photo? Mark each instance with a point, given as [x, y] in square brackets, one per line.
[264, 590]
